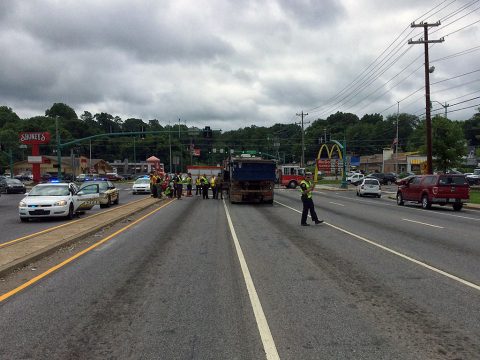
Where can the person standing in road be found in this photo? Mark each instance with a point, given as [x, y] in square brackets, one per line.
[153, 184]
[198, 186]
[179, 186]
[188, 180]
[158, 185]
[213, 185]
[205, 186]
[306, 188]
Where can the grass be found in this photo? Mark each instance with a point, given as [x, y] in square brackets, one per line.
[474, 196]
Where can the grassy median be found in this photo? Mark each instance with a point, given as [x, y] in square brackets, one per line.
[474, 196]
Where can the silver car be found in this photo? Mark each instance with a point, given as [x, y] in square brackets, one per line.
[369, 186]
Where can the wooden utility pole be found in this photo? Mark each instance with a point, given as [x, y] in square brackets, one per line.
[428, 117]
[302, 161]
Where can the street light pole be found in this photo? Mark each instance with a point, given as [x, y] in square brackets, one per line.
[59, 155]
[444, 106]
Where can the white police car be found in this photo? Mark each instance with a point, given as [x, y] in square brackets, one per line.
[55, 200]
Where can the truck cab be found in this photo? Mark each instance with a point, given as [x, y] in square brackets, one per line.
[290, 176]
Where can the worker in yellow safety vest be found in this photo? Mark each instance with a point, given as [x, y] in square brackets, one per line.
[188, 181]
[205, 186]
[198, 186]
[306, 188]
[213, 185]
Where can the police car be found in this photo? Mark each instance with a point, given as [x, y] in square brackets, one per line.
[55, 199]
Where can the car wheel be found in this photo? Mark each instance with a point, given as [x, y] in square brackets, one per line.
[71, 213]
[107, 204]
[457, 207]
[292, 184]
[24, 219]
[117, 200]
[389, 182]
[400, 199]
[358, 193]
[425, 203]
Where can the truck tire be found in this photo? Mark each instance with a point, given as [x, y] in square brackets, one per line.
[457, 207]
[425, 203]
[400, 199]
[292, 184]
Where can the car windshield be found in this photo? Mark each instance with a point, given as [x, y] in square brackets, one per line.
[13, 181]
[50, 190]
[142, 181]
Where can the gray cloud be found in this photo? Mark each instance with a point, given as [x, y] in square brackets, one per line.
[217, 62]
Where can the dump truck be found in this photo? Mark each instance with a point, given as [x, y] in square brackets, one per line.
[250, 179]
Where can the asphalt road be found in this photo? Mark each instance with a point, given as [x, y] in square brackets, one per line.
[13, 228]
[375, 281]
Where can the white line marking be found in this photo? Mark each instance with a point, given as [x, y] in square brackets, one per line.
[263, 328]
[422, 223]
[334, 203]
[429, 267]
[405, 207]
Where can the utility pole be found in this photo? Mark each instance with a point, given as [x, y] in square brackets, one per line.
[302, 161]
[428, 117]
[396, 140]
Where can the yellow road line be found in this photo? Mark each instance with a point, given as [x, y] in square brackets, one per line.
[60, 226]
[76, 256]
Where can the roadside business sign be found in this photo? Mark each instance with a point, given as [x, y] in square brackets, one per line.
[34, 138]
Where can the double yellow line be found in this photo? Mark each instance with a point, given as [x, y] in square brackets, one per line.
[77, 255]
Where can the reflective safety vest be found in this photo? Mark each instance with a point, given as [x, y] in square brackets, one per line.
[204, 180]
[197, 182]
[212, 181]
[189, 180]
[153, 179]
[308, 185]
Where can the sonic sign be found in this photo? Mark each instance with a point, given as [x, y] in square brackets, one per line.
[35, 139]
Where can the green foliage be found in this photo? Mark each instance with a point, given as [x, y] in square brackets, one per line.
[364, 136]
[61, 110]
[7, 116]
[448, 143]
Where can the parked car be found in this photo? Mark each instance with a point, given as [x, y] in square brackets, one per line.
[441, 189]
[141, 186]
[369, 186]
[55, 200]
[385, 179]
[24, 177]
[113, 177]
[355, 179]
[474, 178]
[87, 177]
[108, 194]
[127, 176]
[12, 186]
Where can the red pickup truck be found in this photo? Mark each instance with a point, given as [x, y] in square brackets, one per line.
[441, 189]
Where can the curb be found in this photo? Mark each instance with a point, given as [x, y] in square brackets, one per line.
[37, 254]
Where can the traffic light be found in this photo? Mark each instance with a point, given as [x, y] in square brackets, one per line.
[207, 132]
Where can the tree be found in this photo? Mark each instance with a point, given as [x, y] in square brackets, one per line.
[471, 129]
[61, 110]
[7, 116]
[448, 144]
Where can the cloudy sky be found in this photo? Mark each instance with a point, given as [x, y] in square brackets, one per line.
[230, 64]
